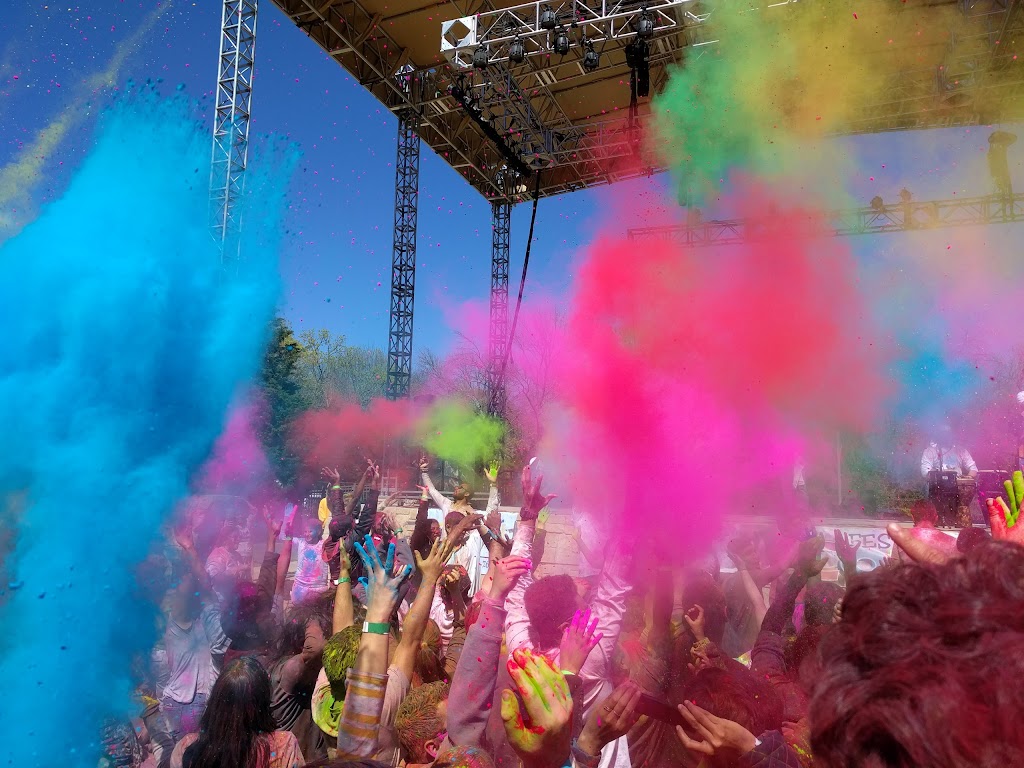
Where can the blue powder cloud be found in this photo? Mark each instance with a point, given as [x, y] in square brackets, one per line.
[124, 341]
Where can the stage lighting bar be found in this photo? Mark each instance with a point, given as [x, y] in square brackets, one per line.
[525, 29]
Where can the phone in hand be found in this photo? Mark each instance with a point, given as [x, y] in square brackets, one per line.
[656, 709]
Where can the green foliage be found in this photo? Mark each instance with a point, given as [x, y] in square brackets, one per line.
[331, 372]
[284, 401]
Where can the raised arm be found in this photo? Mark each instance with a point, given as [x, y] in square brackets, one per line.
[493, 500]
[343, 611]
[928, 461]
[364, 699]
[420, 539]
[370, 471]
[473, 683]
[444, 504]
[517, 623]
[807, 565]
[416, 619]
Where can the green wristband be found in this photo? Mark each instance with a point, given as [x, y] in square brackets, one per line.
[342, 580]
[376, 628]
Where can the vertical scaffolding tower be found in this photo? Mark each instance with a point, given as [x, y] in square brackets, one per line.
[403, 263]
[231, 117]
[497, 347]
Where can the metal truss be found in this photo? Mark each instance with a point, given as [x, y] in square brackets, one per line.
[497, 347]
[231, 115]
[403, 264]
[603, 22]
[900, 217]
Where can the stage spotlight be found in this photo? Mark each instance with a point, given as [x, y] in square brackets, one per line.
[561, 42]
[517, 51]
[547, 18]
[481, 56]
[645, 25]
[591, 59]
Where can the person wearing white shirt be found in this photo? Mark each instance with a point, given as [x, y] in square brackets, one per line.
[472, 552]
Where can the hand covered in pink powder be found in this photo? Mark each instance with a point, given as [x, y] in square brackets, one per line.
[540, 728]
[578, 640]
[533, 500]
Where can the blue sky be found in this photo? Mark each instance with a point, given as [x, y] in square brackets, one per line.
[336, 261]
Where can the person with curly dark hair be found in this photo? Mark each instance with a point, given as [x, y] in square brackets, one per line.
[237, 729]
[923, 668]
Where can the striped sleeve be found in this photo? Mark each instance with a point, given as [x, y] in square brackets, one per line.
[360, 723]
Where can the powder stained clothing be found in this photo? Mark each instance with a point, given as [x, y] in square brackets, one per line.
[193, 655]
[473, 555]
[284, 750]
[389, 750]
[608, 607]
[360, 721]
[312, 573]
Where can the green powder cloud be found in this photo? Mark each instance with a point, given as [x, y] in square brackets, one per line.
[451, 430]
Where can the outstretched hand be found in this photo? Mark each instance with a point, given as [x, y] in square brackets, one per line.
[809, 561]
[846, 548]
[533, 499]
[432, 565]
[507, 571]
[611, 719]
[578, 640]
[713, 735]
[491, 473]
[999, 520]
[332, 475]
[1015, 493]
[381, 587]
[694, 619]
[540, 728]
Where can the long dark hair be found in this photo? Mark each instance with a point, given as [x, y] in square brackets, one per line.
[234, 727]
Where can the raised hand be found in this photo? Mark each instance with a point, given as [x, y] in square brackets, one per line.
[808, 557]
[432, 565]
[1015, 493]
[846, 550]
[424, 493]
[533, 499]
[331, 475]
[424, 466]
[999, 521]
[491, 473]
[539, 730]
[714, 735]
[289, 518]
[273, 526]
[578, 640]
[694, 619]
[506, 573]
[381, 586]
[611, 719]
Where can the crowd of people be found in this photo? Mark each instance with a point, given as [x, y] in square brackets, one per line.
[443, 646]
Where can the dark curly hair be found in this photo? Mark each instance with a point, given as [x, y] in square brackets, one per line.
[292, 635]
[550, 602]
[738, 695]
[925, 669]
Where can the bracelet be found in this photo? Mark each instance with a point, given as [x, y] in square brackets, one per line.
[377, 628]
[342, 580]
[398, 530]
[286, 538]
[335, 487]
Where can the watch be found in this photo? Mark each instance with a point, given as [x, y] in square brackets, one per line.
[377, 628]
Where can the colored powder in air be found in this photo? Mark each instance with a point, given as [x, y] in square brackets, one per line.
[346, 434]
[451, 430]
[690, 383]
[238, 465]
[776, 80]
[126, 341]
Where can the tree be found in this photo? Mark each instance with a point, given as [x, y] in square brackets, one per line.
[331, 372]
[283, 401]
